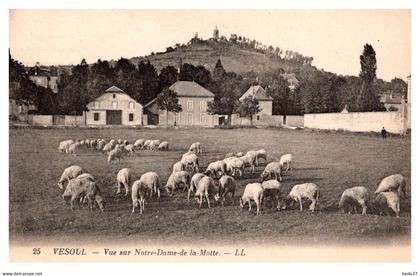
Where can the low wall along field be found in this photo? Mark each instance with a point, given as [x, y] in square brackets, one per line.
[357, 121]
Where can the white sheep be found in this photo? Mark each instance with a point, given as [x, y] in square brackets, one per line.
[174, 181]
[100, 145]
[190, 162]
[261, 154]
[154, 144]
[146, 144]
[248, 162]
[216, 168]
[194, 183]
[196, 148]
[108, 147]
[253, 192]
[129, 149]
[355, 195]
[395, 182]
[206, 187]
[234, 166]
[74, 147]
[163, 146]
[178, 167]
[227, 186]
[303, 191]
[124, 177]
[64, 146]
[84, 187]
[69, 173]
[87, 176]
[272, 169]
[139, 143]
[286, 159]
[114, 155]
[272, 188]
[146, 185]
[119, 141]
[389, 199]
[253, 154]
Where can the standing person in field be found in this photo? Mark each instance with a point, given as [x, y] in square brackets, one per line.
[383, 132]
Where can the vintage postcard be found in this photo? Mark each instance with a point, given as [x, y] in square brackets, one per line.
[210, 135]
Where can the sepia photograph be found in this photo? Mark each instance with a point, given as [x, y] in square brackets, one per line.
[257, 135]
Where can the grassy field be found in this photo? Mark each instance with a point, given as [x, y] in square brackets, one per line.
[334, 161]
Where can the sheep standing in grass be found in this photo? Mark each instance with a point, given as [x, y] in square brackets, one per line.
[69, 173]
[114, 155]
[190, 162]
[248, 162]
[196, 148]
[146, 144]
[286, 159]
[163, 146]
[206, 188]
[145, 186]
[216, 168]
[154, 144]
[84, 187]
[175, 180]
[234, 166]
[387, 199]
[139, 143]
[272, 169]
[303, 191]
[261, 154]
[100, 145]
[74, 147]
[353, 196]
[178, 167]
[129, 149]
[395, 182]
[272, 188]
[108, 147]
[124, 177]
[64, 146]
[227, 186]
[253, 192]
[194, 183]
[253, 155]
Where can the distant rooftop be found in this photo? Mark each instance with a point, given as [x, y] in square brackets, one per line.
[190, 89]
[114, 89]
[256, 92]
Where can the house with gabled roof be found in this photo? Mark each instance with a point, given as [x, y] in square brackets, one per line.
[265, 101]
[114, 107]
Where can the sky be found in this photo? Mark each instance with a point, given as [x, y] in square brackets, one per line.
[334, 38]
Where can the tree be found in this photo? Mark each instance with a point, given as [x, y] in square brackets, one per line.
[368, 99]
[248, 107]
[199, 74]
[218, 72]
[168, 75]
[168, 100]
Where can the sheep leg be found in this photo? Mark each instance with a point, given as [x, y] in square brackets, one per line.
[258, 207]
[300, 204]
[313, 203]
[126, 188]
[200, 201]
[208, 200]
[249, 205]
[118, 188]
[72, 202]
[134, 206]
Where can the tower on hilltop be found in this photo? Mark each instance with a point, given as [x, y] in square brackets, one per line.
[216, 34]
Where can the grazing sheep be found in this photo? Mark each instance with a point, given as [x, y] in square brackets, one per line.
[389, 199]
[272, 169]
[163, 146]
[395, 182]
[227, 185]
[240, 154]
[129, 149]
[146, 185]
[119, 141]
[286, 159]
[174, 181]
[69, 173]
[87, 176]
[195, 148]
[154, 144]
[124, 177]
[139, 143]
[273, 188]
[125, 142]
[190, 162]
[84, 187]
[303, 191]
[353, 196]
[206, 187]
[178, 167]
[100, 145]
[261, 154]
[234, 166]
[146, 144]
[253, 192]
[114, 155]
[248, 162]
[108, 147]
[216, 167]
[74, 147]
[64, 146]
[194, 183]
[93, 144]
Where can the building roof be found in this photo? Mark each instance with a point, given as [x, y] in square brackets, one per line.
[190, 89]
[114, 89]
[150, 103]
[256, 92]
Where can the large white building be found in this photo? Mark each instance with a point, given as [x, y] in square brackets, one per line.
[114, 107]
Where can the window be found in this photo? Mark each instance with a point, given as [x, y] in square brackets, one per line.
[258, 117]
[131, 117]
[114, 105]
[96, 116]
[203, 106]
[189, 105]
[131, 105]
[202, 117]
[190, 118]
[113, 96]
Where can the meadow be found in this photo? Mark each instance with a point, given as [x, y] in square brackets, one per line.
[334, 161]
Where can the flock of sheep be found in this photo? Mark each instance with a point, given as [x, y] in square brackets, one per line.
[217, 181]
